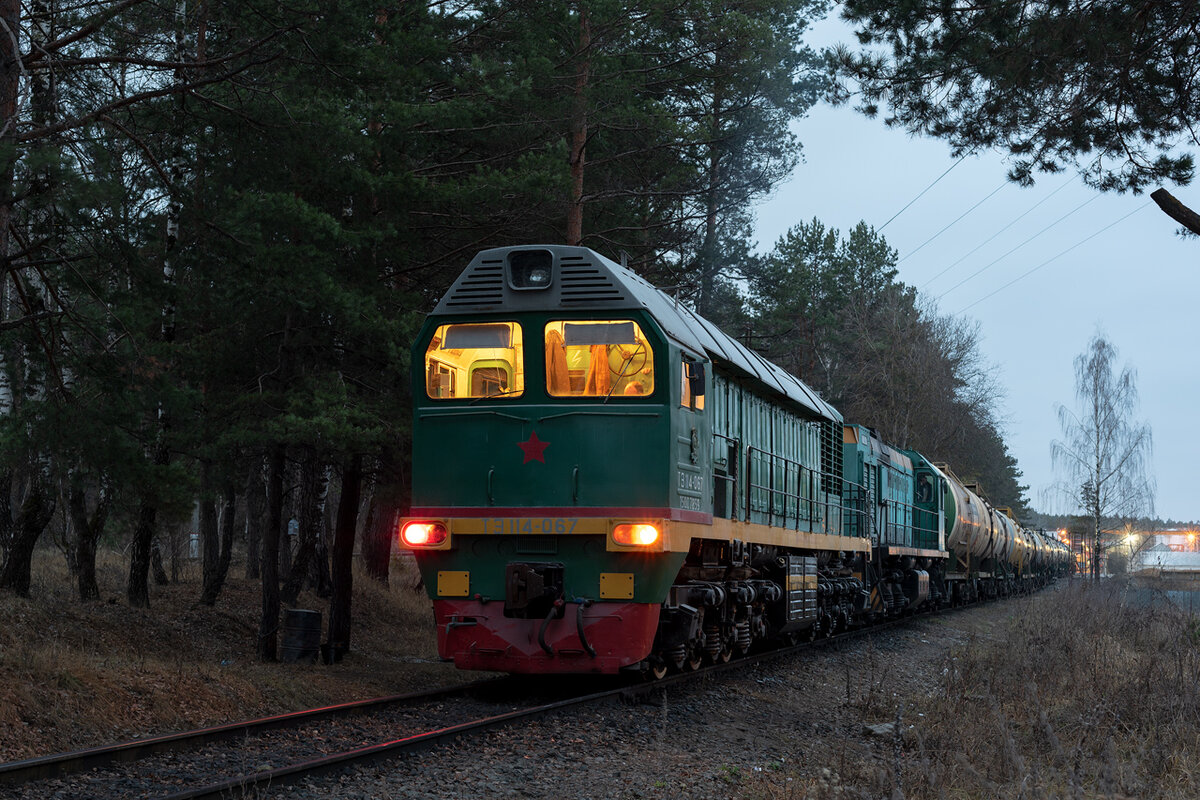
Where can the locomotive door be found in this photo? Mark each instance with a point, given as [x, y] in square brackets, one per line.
[926, 519]
[871, 478]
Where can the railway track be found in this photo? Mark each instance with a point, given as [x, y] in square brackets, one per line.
[18, 773]
[237, 759]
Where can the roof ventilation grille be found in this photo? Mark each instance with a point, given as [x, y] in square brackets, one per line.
[482, 286]
[585, 283]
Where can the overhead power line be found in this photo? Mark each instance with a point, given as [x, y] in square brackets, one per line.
[1018, 247]
[948, 227]
[923, 191]
[1052, 258]
[1020, 217]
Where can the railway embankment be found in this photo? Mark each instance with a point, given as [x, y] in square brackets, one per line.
[1068, 693]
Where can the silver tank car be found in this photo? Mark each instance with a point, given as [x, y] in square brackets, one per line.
[992, 555]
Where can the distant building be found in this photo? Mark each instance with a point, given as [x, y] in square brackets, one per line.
[1169, 551]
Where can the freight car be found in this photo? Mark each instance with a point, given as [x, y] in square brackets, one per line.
[605, 481]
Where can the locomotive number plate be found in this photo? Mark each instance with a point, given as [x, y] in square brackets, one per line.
[536, 525]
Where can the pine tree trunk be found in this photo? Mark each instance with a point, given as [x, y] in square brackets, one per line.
[214, 576]
[318, 570]
[10, 87]
[138, 590]
[289, 536]
[228, 523]
[36, 511]
[389, 497]
[6, 519]
[87, 535]
[309, 530]
[256, 506]
[156, 562]
[343, 559]
[268, 624]
[210, 544]
[579, 130]
[146, 549]
[376, 554]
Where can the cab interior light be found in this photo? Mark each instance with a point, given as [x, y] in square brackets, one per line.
[636, 534]
[416, 533]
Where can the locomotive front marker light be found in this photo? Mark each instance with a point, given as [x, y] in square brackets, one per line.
[416, 533]
[638, 534]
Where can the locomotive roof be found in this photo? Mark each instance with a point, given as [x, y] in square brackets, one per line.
[870, 439]
[582, 279]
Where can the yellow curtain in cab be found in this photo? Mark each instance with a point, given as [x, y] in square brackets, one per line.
[558, 381]
[599, 381]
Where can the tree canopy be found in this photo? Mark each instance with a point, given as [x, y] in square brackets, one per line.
[1106, 86]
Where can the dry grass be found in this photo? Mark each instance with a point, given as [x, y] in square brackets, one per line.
[1075, 696]
[74, 674]
[1081, 696]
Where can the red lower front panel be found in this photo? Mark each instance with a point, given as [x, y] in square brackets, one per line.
[479, 636]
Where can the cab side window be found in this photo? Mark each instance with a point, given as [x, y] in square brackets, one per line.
[691, 394]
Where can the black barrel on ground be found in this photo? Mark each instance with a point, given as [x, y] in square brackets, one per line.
[301, 635]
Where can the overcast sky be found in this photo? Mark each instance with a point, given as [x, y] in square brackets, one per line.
[1095, 261]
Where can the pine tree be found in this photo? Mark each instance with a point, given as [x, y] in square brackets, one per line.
[1107, 86]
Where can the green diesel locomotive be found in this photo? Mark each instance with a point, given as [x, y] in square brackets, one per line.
[605, 481]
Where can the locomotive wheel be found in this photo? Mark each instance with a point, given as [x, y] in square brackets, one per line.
[655, 668]
[726, 654]
[695, 661]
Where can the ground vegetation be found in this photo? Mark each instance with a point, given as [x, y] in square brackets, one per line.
[1083, 690]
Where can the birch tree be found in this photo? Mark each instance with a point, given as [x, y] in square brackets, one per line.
[1105, 452]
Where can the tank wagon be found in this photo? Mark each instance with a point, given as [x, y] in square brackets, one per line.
[605, 481]
[990, 555]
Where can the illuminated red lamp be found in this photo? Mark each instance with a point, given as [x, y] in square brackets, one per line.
[636, 534]
[423, 534]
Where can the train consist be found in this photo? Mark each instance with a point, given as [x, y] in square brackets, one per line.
[604, 481]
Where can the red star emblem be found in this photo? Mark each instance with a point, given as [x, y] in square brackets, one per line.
[534, 449]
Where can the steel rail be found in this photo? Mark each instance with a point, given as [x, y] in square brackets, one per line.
[240, 786]
[60, 764]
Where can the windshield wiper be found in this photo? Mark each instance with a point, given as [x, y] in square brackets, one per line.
[497, 394]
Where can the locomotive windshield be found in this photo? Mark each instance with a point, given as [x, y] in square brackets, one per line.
[475, 360]
[598, 358]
